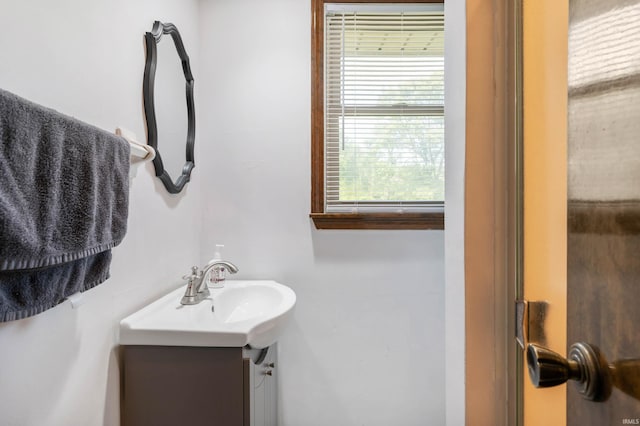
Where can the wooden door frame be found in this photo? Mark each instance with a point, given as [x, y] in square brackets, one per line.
[491, 212]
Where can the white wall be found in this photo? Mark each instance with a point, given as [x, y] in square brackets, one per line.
[366, 346]
[86, 59]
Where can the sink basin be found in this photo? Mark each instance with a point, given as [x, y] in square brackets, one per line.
[242, 313]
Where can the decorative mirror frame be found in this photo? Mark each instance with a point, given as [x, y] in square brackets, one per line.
[151, 40]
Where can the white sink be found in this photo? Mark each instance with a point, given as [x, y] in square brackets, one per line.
[242, 313]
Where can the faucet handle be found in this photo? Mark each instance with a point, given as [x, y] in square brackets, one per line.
[191, 293]
[194, 274]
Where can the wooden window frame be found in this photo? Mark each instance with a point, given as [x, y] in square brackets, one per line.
[322, 220]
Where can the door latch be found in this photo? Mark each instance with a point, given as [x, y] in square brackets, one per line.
[530, 317]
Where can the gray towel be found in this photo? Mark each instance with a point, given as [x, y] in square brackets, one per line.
[64, 188]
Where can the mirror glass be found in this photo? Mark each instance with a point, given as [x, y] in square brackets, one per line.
[169, 106]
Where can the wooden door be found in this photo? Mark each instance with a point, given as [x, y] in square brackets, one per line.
[582, 200]
[603, 245]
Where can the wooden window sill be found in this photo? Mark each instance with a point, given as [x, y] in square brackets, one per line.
[378, 220]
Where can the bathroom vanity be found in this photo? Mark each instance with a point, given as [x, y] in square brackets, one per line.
[174, 385]
[210, 363]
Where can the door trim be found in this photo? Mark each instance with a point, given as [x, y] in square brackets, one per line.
[491, 228]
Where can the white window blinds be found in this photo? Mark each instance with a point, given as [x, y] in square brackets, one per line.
[384, 107]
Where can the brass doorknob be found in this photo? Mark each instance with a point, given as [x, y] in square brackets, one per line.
[585, 365]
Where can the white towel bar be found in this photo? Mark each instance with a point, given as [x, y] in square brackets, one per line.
[76, 299]
[138, 150]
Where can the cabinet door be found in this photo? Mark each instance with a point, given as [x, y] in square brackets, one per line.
[262, 386]
[271, 387]
[172, 385]
[259, 401]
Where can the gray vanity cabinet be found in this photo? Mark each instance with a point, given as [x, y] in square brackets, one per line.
[174, 385]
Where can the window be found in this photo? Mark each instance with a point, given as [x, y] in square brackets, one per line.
[378, 115]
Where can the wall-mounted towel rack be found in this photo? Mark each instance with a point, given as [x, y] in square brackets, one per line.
[138, 150]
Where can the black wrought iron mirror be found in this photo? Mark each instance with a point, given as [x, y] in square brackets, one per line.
[164, 107]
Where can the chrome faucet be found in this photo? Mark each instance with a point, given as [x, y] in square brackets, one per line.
[197, 289]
